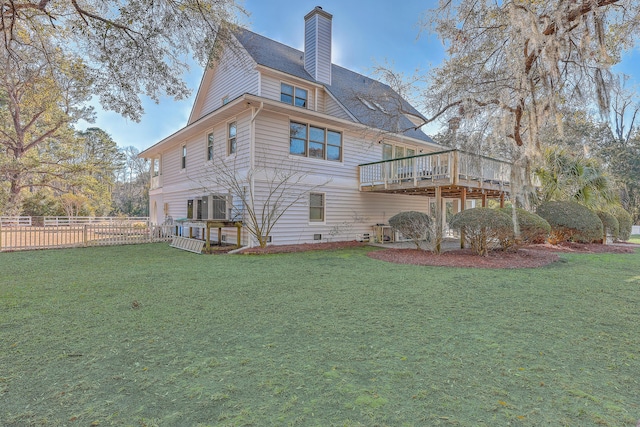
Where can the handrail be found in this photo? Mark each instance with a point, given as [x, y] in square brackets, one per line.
[450, 166]
[409, 157]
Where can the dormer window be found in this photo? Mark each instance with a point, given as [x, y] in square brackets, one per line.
[293, 95]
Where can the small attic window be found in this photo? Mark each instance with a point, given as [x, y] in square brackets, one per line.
[367, 103]
[380, 107]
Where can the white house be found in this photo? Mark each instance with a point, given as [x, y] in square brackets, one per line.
[265, 108]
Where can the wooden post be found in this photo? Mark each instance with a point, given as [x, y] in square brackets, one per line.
[239, 227]
[219, 236]
[454, 168]
[502, 200]
[84, 232]
[484, 200]
[208, 243]
[463, 203]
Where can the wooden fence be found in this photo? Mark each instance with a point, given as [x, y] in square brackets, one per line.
[16, 238]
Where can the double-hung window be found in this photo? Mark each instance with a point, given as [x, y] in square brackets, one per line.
[293, 95]
[316, 142]
[210, 146]
[232, 141]
[184, 157]
[316, 207]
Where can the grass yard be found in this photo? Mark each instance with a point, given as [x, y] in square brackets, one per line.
[152, 336]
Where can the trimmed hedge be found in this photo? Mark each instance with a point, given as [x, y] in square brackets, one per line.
[533, 228]
[625, 222]
[571, 222]
[482, 227]
[413, 225]
[611, 226]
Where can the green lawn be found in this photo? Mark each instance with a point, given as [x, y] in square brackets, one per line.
[148, 335]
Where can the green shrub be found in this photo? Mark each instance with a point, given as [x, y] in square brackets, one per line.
[610, 224]
[625, 222]
[413, 225]
[483, 228]
[571, 222]
[533, 228]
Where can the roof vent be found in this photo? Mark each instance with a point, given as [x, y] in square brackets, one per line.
[317, 44]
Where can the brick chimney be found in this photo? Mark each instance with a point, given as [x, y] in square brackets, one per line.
[317, 45]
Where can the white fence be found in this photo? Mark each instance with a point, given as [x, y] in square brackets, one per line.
[9, 221]
[24, 237]
[77, 220]
[635, 229]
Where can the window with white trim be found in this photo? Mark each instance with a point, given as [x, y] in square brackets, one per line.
[290, 94]
[184, 157]
[232, 137]
[210, 146]
[316, 207]
[316, 142]
[390, 151]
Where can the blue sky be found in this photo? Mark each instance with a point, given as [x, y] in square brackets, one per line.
[365, 33]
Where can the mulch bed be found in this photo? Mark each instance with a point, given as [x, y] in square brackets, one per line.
[530, 257]
[523, 258]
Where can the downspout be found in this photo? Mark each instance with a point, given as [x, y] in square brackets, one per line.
[252, 151]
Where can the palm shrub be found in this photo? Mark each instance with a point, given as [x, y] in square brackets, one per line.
[413, 225]
[571, 222]
[483, 227]
[625, 222]
[533, 228]
[610, 224]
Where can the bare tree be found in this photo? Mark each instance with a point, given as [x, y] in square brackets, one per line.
[265, 192]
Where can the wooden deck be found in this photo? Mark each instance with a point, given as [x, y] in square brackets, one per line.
[447, 174]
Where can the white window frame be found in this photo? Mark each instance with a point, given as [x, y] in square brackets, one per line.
[232, 147]
[183, 157]
[209, 141]
[323, 208]
[326, 145]
[395, 146]
[293, 95]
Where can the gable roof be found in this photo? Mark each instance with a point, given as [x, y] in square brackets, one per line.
[353, 90]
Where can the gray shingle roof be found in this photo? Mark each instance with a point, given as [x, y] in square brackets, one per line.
[348, 87]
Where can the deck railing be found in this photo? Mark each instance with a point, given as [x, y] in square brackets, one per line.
[450, 166]
[17, 238]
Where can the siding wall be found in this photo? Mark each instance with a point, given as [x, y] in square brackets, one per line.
[270, 89]
[234, 75]
[348, 211]
[197, 179]
[332, 108]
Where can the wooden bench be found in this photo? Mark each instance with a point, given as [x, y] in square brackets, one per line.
[187, 244]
